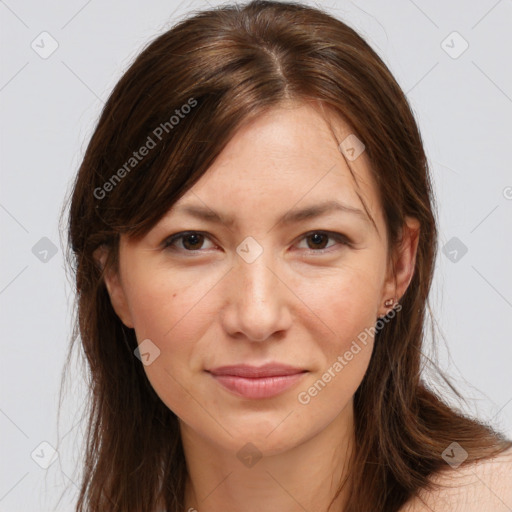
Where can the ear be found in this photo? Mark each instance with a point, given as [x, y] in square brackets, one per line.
[401, 269]
[114, 287]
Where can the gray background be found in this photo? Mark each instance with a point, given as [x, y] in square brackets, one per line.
[48, 109]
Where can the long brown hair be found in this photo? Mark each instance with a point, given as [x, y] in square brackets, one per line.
[182, 99]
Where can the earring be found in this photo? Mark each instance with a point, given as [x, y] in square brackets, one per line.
[388, 303]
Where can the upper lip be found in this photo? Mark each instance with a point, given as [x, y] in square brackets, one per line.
[248, 371]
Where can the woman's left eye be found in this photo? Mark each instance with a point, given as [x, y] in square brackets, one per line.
[319, 239]
[192, 241]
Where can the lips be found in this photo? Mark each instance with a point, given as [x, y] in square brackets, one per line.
[257, 382]
[254, 372]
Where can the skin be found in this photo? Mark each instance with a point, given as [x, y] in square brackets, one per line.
[483, 486]
[301, 302]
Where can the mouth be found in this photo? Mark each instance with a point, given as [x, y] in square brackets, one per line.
[257, 382]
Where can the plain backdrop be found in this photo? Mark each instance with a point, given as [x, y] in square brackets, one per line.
[451, 58]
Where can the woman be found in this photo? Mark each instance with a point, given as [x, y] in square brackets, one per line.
[254, 241]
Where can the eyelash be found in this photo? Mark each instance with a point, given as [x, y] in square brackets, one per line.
[342, 239]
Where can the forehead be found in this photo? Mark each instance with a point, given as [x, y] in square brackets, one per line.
[291, 155]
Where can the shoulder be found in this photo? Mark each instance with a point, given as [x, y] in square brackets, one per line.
[482, 486]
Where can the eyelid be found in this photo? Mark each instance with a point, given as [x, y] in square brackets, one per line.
[339, 237]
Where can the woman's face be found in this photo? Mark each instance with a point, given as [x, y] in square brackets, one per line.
[277, 283]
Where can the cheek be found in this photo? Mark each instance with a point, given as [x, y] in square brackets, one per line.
[344, 303]
[344, 300]
[344, 307]
[169, 306]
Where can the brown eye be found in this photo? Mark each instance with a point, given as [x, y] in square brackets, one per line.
[318, 240]
[190, 241]
[193, 242]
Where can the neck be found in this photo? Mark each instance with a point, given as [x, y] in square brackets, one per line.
[303, 477]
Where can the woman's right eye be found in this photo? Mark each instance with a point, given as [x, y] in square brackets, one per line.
[189, 241]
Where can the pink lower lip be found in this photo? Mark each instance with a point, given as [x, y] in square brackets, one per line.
[262, 387]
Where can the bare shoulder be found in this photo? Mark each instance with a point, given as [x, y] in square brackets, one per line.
[483, 486]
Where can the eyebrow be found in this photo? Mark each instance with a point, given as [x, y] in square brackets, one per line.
[290, 217]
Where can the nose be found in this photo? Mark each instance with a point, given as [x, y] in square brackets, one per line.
[258, 301]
